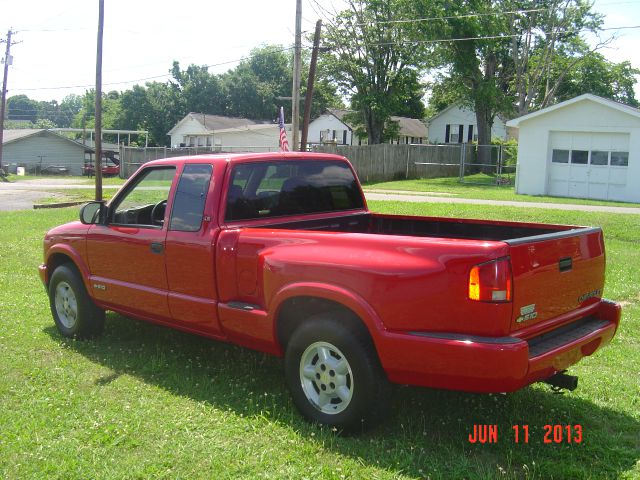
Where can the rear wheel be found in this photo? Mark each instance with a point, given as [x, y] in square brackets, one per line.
[334, 374]
[73, 311]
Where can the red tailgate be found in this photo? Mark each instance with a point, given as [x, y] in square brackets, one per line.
[555, 274]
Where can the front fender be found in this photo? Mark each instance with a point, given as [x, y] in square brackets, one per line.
[72, 253]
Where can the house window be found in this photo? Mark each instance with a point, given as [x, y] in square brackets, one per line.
[455, 133]
[344, 137]
[560, 156]
[580, 157]
[208, 141]
[201, 141]
[619, 159]
[192, 141]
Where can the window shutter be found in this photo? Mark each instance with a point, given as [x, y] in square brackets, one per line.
[344, 137]
[460, 133]
[446, 133]
[470, 138]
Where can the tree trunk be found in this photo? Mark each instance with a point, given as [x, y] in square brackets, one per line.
[375, 127]
[485, 121]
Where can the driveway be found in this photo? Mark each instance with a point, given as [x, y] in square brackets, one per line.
[23, 194]
[418, 197]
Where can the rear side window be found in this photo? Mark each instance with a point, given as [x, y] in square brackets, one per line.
[274, 189]
[191, 195]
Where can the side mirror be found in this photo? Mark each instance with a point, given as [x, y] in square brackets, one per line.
[93, 213]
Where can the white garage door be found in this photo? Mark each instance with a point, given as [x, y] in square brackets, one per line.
[588, 165]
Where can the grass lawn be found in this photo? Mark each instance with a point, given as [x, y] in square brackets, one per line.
[479, 186]
[82, 180]
[145, 401]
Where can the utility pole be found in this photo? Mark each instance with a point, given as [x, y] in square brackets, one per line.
[308, 99]
[98, 142]
[295, 93]
[7, 62]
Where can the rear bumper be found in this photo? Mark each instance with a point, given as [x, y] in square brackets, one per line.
[493, 364]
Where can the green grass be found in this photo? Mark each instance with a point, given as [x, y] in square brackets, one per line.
[144, 401]
[85, 180]
[480, 186]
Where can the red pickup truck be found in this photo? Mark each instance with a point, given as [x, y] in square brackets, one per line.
[278, 252]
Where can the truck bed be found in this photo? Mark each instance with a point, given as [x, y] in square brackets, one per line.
[468, 229]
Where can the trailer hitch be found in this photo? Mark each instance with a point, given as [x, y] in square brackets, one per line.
[562, 381]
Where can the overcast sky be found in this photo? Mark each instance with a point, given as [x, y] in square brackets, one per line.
[143, 37]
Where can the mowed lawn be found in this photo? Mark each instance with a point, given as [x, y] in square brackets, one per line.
[481, 186]
[144, 401]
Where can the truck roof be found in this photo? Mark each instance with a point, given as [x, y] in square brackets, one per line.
[252, 156]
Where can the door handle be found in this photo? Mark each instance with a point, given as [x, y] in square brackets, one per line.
[157, 247]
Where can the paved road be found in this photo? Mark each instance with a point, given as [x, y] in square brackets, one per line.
[419, 198]
[22, 195]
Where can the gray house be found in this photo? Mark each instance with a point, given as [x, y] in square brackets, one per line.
[37, 149]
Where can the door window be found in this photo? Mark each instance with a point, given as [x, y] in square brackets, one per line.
[145, 202]
[191, 195]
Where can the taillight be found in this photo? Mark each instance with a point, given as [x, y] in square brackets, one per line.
[491, 281]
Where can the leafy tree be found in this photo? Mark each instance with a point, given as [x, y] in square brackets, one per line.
[200, 90]
[596, 75]
[21, 107]
[546, 46]
[373, 58]
[254, 85]
[68, 109]
[166, 107]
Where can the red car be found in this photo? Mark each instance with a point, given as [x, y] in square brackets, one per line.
[109, 169]
[278, 252]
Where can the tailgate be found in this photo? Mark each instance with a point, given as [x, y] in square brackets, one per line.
[555, 274]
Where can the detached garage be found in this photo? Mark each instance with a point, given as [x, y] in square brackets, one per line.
[586, 147]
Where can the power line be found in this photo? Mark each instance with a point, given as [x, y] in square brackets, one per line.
[490, 37]
[451, 17]
[139, 79]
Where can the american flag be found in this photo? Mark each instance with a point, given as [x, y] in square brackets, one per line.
[284, 143]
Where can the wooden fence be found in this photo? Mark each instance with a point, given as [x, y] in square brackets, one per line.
[373, 163]
[377, 163]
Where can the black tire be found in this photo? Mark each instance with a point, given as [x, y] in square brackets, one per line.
[75, 314]
[345, 338]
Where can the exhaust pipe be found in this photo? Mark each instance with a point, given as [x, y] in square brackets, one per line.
[562, 381]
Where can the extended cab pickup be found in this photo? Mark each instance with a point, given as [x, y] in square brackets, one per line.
[278, 252]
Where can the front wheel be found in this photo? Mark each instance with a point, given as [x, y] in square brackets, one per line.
[73, 311]
[334, 374]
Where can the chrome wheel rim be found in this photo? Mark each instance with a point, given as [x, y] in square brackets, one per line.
[66, 305]
[326, 377]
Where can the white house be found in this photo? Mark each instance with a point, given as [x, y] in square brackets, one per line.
[586, 147]
[457, 124]
[332, 127]
[226, 133]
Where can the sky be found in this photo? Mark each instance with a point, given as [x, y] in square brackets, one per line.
[142, 38]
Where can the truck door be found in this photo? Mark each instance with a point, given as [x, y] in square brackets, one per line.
[126, 256]
[190, 251]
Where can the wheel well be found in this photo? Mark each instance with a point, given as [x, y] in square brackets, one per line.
[58, 259]
[295, 310]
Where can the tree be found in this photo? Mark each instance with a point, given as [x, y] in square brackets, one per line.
[373, 58]
[594, 74]
[254, 85]
[22, 108]
[68, 109]
[545, 41]
[200, 90]
[509, 56]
